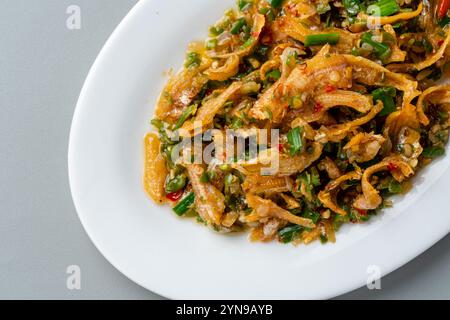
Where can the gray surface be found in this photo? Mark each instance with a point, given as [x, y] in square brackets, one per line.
[42, 68]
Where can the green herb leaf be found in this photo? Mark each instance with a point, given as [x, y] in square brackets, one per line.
[386, 95]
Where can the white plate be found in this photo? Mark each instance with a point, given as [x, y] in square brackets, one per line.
[178, 258]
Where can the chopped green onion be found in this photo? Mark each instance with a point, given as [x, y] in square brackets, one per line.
[215, 31]
[244, 4]
[236, 123]
[192, 60]
[352, 7]
[322, 8]
[314, 216]
[386, 95]
[388, 38]
[267, 12]
[339, 220]
[204, 178]
[237, 26]
[395, 187]
[355, 52]
[189, 111]
[157, 123]
[276, 3]
[433, 152]
[176, 184]
[248, 43]
[295, 140]
[183, 206]
[427, 45]
[231, 184]
[321, 39]
[292, 59]
[382, 50]
[383, 8]
[315, 178]
[211, 44]
[273, 75]
[323, 239]
[445, 21]
[287, 234]
[296, 102]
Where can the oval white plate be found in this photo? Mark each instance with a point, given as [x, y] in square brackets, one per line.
[178, 258]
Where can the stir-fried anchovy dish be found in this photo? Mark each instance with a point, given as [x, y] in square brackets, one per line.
[337, 105]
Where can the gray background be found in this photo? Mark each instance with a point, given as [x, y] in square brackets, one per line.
[42, 68]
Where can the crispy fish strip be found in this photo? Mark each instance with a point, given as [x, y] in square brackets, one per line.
[364, 147]
[229, 69]
[336, 133]
[328, 195]
[179, 92]
[209, 202]
[409, 67]
[420, 102]
[271, 105]
[287, 165]
[206, 113]
[155, 170]
[371, 73]
[370, 199]
[256, 183]
[267, 208]
[359, 102]
[406, 117]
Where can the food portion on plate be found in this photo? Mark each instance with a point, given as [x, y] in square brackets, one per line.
[295, 117]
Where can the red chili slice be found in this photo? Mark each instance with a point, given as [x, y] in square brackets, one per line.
[330, 88]
[362, 212]
[443, 7]
[392, 166]
[317, 107]
[174, 196]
